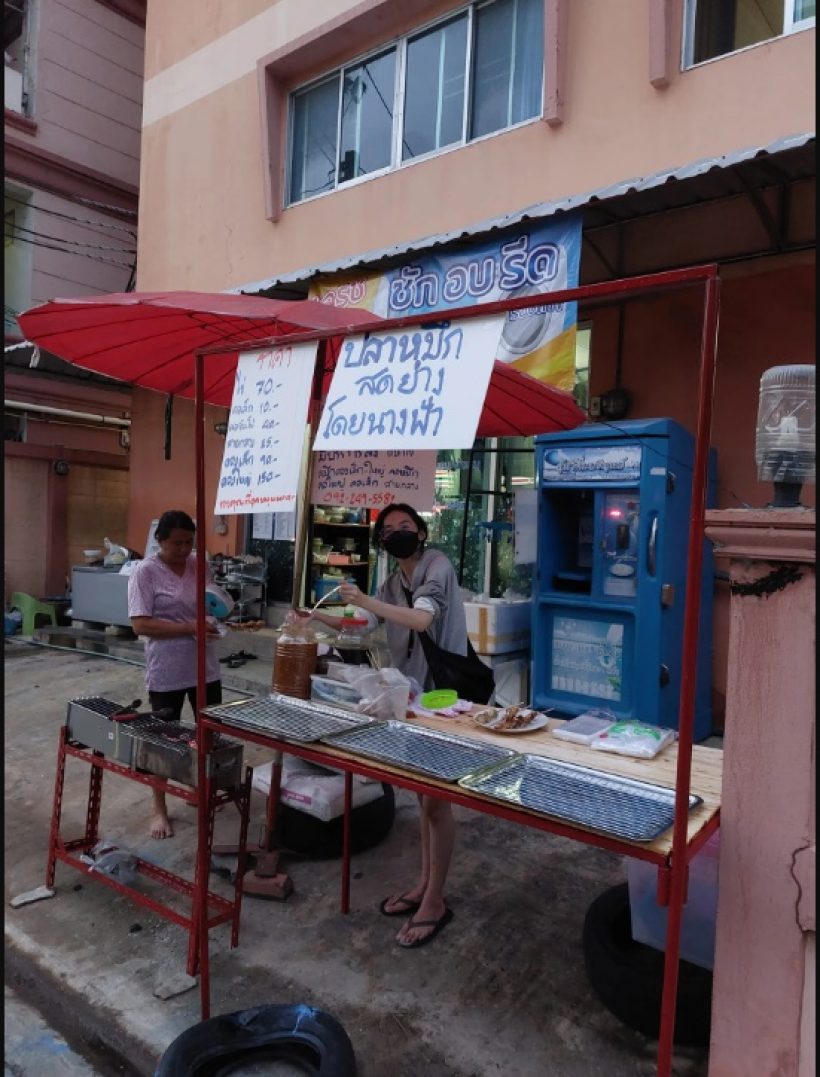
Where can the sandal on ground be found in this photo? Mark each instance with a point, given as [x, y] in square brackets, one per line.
[436, 925]
[404, 906]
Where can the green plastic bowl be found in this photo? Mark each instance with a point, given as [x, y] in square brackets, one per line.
[438, 699]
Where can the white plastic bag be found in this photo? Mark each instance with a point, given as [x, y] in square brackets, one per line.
[110, 860]
[115, 555]
[315, 790]
[386, 694]
[633, 738]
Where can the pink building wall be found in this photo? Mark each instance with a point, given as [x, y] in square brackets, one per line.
[71, 173]
[763, 1014]
[205, 133]
[72, 158]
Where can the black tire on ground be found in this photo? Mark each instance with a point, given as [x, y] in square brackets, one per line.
[369, 824]
[299, 1034]
[627, 976]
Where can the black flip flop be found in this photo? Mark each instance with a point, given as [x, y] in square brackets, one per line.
[407, 907]
[234, 661]
[436, 925]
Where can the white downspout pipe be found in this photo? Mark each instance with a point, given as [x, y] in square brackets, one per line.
[65, 413]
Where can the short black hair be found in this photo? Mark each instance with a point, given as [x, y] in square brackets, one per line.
[173, 520]
[399, 506]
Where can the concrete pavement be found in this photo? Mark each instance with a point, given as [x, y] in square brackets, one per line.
[502, 990]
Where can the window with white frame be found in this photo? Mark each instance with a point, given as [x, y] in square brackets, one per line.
[718, 27]
[14, 52]
[478, 71]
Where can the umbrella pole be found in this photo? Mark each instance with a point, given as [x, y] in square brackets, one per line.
[199, 909]
[299, 552]
[463, 548]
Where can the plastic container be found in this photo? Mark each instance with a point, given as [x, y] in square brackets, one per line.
[329, 690]
[293, 663]
[697, 939]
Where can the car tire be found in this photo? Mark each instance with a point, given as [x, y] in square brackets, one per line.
[627, 976]
[311, 837]
[299, 1034]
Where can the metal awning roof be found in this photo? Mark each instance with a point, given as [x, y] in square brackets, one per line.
[783, 161]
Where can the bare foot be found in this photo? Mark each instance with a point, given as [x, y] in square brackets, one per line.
[161, 827]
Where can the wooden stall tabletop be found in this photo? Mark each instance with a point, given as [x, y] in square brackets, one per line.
[706, 773]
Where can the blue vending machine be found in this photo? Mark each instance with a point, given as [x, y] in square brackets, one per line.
[608, 601]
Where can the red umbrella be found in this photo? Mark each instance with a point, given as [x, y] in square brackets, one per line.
[149, 339]
[519, 405]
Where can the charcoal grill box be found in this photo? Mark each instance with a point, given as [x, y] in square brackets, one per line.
[88, 723]
[499, 627]
[225, 758]
[141, 744]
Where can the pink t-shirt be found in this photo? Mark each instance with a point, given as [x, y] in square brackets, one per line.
[155, 590]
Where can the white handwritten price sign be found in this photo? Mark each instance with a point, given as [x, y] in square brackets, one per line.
[263, 446]
[373, 478]
[419, 388]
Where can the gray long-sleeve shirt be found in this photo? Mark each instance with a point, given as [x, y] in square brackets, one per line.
[434, 587]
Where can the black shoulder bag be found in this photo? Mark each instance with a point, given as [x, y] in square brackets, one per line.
[466, 673]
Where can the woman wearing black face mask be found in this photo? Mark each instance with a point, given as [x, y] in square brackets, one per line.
[422, 594]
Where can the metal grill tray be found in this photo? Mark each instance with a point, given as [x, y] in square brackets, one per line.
[623, 807]
[429, 751]
[97, 705]
[287, 718]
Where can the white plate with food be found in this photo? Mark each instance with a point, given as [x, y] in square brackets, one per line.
[516, 719]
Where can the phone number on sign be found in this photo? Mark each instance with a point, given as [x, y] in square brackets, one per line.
[357, 500]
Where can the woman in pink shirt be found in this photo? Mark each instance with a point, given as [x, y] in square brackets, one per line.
[162, 607]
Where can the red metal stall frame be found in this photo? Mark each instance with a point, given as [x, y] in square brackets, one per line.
[622, 288]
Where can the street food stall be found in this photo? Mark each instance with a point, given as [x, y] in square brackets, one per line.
[673, 802]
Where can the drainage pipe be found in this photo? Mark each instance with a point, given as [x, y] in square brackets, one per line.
[65, 413]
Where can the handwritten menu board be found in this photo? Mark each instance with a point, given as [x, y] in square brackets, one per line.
[263, 446]
[418, 388]
[373, 478]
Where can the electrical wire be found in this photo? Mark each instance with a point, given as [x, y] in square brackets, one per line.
[68, 217]
[76, 254]
[73, 242]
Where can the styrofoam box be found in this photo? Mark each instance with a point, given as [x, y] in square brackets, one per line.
[499, 627]
[512, 676]
[697, 938]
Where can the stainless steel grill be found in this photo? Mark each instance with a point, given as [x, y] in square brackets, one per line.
[287, 718]
[429, 751]
[623, 807]
[150, 744]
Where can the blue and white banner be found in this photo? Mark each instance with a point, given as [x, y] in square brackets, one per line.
[540, 258]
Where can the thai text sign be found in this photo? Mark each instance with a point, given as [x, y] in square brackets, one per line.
[540, 341]
[371, 479]
[260, 465]
[419, 388]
